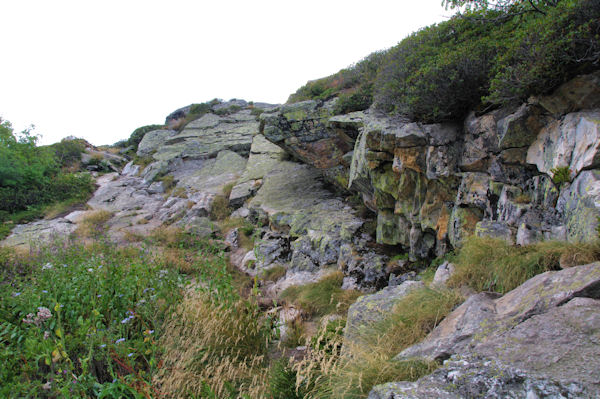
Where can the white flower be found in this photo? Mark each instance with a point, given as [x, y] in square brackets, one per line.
[90, 270]
[47, 266]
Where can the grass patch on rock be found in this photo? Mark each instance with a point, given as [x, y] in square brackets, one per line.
[487, 264]
[322, 297]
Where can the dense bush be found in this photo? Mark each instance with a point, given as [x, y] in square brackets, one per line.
[354, 85]
[31, 176]
[68, 151]
[481, 59]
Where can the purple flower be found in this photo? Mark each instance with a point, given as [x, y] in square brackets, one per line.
[130, 354]
[44, 291]
[15, 294]
[103, 346]
[119, 340]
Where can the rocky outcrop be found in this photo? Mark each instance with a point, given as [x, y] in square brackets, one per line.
[322, 230]
[434, 185]
[546, 330]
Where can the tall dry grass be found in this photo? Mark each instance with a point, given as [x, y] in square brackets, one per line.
[215, 349]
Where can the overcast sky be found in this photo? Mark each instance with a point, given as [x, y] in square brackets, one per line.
[99, 69]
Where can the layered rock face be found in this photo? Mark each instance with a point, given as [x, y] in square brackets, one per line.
[434, 185]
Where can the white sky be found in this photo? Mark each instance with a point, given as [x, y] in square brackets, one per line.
[99, 69]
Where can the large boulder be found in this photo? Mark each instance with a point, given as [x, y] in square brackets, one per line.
[539, 340]
[153, 140]
[209, 135]
[486, 317]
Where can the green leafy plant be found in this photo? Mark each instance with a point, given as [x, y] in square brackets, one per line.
[561, 175]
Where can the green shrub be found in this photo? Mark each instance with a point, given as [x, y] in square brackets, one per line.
[357, 78]
[479, 59]
[68, 151]
[138, 134]
[561, 175]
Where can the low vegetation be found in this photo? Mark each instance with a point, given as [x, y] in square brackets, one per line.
[82, 321]
[480, 59]
[328, 372]
[34, 178]
[487, 264]
[322, 297]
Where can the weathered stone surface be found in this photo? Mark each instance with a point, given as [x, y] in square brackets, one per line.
[209, 135]
[490, 228]
[153, 140]
[297, 203]
[37, 233]
[365, 267]
[462, 224]
[215, 174]
[485, 318]
[572, 142]
[368, 310]
[520, 128]
[130, 169]
[474, 376]
[581, 92]
[264, 156]
[303, 130]
[579, 204]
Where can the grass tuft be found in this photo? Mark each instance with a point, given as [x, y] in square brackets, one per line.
[487, 264]
[322, 297]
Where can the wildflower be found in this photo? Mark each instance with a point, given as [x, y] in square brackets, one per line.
[47, 386]
[29, 319]
[99, 296]
[46, 334]
[47, 266]
[119, 340]
[103, 346]
[44, 291]
[90, 270]
[15, 294]
[43, 314]
[130, 354]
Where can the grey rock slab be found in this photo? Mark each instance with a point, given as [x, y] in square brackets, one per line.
[215, 174]
[581, 92]
[153, 140]
[483, 317]
[130, 169]
[572, 142]
[40, 232]
[474, 376]
[495, 229]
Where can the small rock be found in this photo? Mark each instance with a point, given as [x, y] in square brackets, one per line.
[443, 274]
